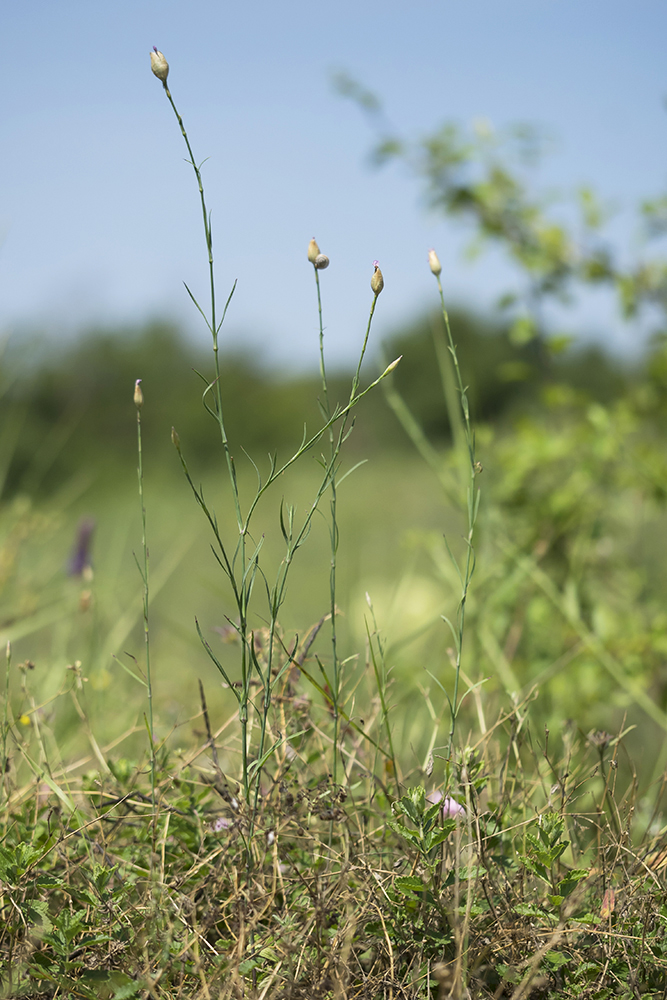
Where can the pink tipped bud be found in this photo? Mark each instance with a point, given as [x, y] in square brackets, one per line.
[138, 394]
[434, 263]
[159, 65]
[313, 251]
[377, 281]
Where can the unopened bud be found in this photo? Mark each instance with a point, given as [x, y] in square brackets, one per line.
[321, 261]
[389, 369]
[434, 263]
[159, 65]
[313, 250]
[138, 394]
[377, 281]
[175, 439]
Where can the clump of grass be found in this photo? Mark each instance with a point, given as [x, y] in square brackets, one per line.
[536, 874]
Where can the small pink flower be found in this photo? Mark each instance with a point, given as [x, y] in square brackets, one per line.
[221, 823]
[450, 807]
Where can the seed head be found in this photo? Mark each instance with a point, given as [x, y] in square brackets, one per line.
[159, 65]
[433, 262]
[313, 250]
[138, 394]
[377, 281]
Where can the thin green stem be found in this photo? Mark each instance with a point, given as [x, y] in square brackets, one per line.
[144, 573]
[212, 323]
[472, 496]
[214, 327]
[334, 537]
[293, 544]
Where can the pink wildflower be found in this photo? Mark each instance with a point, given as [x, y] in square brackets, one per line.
[450, 807]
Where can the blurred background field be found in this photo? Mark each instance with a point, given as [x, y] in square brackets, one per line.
[567, 607]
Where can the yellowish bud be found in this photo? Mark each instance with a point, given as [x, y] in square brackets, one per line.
[313, 251]
[175, 439]
[377, 281]
[433, 262]
[389, 369]
[159, 65]
[138, 394]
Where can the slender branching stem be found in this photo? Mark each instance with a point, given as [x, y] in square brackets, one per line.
[214, 327]
[472, 504]
[212, 321]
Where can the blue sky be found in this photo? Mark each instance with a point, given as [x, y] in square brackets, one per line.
[99, 216]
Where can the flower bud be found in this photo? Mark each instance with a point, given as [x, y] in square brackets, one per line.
[138, 394]
[433, 262]
[313, 250]
[389, 369]
[321, 261]
[377, 281]
[159, 65]
[175, 439]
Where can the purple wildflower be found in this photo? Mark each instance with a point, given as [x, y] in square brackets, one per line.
[221, 823]
[79, 561]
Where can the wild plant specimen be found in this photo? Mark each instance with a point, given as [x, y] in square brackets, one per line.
[320, 262]
[473, 468]
[242, 564]
[143, 569]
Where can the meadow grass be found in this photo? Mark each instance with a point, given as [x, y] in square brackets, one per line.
[338, 787]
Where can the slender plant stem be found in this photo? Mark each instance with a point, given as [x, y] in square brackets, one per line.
[472, 503]
[214, 328]
[138, 398]
[212, 323]
[334, 538]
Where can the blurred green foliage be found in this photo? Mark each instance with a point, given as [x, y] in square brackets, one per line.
[72, 410]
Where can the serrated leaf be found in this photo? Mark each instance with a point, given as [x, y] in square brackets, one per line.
[432, 840]
[409, 883]
[572, 880]
[402, 831]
